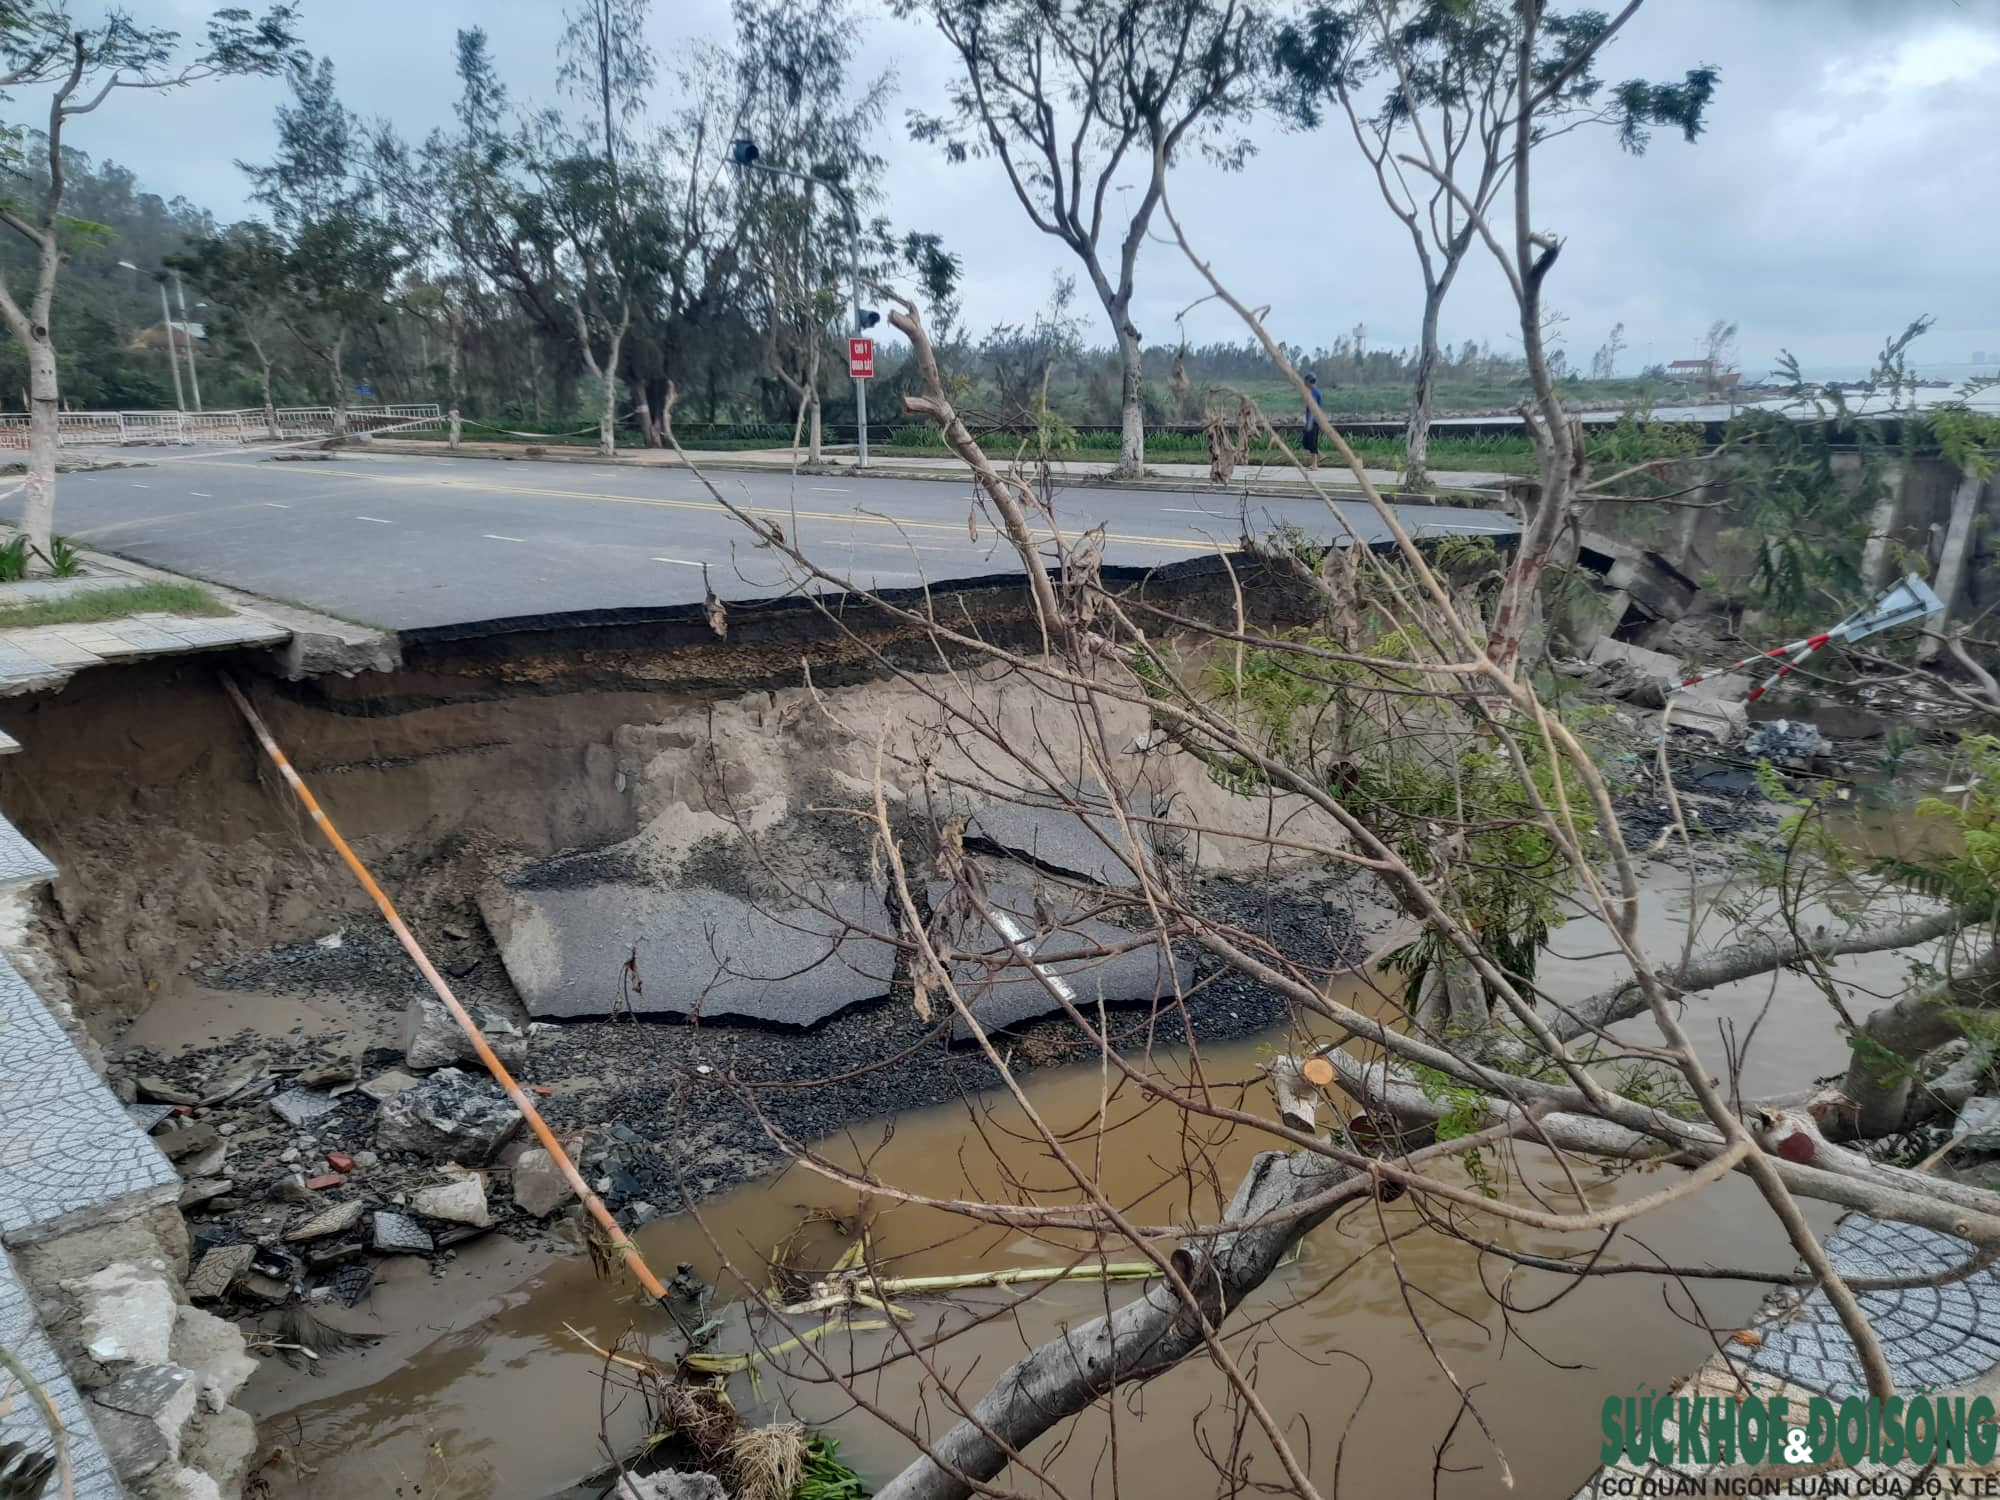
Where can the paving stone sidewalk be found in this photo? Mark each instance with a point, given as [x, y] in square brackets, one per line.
[1944, 1337]
[21, 1419]
[37, 658]
[69, 1153]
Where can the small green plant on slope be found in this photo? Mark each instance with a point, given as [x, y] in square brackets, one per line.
[1435, 792]
[14, 557]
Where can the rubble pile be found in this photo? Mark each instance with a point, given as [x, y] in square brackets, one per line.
[299, 1174]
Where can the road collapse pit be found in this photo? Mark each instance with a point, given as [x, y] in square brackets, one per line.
[653, 892]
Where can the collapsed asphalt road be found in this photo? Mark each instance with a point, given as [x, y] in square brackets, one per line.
[433, 546]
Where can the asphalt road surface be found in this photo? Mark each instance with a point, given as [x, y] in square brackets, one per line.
[435, 546]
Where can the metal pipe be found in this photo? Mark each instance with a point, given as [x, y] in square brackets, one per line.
[619, 1240]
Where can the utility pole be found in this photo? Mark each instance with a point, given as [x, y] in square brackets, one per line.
[744, 153]
[181, 291]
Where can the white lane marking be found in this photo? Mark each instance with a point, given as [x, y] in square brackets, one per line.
[1213, 515]
[138, 486]
[681, 560]
[277, 505]
[376, 519]
[891, 547]
[829, 489]
[1016, 934]
[201, 494]
[492, 536]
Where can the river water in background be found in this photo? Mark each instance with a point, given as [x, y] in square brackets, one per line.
[478, 1389]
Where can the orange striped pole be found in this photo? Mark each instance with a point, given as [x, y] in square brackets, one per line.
[501, 1076]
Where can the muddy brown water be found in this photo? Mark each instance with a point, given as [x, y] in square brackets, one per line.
[478, 1388]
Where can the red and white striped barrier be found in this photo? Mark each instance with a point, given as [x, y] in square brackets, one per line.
[1912, 599]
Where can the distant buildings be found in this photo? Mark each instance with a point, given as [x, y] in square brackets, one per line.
[1702, 372]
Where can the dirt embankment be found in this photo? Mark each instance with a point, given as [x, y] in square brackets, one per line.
[220, 953]
[177, 846]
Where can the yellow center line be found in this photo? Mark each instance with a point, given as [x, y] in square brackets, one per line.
[771, 512]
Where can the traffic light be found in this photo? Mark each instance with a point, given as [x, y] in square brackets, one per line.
[867, 318]
[743, 152]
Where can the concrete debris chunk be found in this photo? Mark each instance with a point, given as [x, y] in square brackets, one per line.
[540, 1188]
[325, 1075]
[135, 1446]
[1724, 724]
[1785, 740]
[302, 1106]
[383, 1085]
[212, 1349]
[211, 1163]
[335, 1220]
[160, 1091]
[1654, 664]
[190, 1140]
[204, 1190]
[432, 1039]
[266, 1288]
[450, 1116]
[460, 1202]
[671, 1484]
[145, 1391]
[128, 1314]
[146, 1116]
[1981, 1118]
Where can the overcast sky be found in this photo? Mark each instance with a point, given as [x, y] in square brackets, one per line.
[1846, 182]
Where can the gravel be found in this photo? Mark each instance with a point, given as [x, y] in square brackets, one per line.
[662, 1113]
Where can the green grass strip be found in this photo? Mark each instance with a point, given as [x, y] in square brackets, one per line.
[112, 604]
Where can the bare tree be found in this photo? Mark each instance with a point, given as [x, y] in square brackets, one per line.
[82, 65]
[801, 306]
[1072, 97]
[1468, 89]
[1382, 737]
[1718, 347]
[1604, 363]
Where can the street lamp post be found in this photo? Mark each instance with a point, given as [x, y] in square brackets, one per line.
[167, 326]
[745, 154]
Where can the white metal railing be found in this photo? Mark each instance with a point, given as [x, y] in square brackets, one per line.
[98, 429]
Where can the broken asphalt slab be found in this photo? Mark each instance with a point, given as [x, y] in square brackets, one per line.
[697, 952]
[1001, 983]
[1087, 841]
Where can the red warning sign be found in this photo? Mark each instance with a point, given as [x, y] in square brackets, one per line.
[861, 359]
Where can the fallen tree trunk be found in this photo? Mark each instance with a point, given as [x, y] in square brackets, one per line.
[1883, 1073]
[1146, 1337]
[1745, 960]
[1814, 1169]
